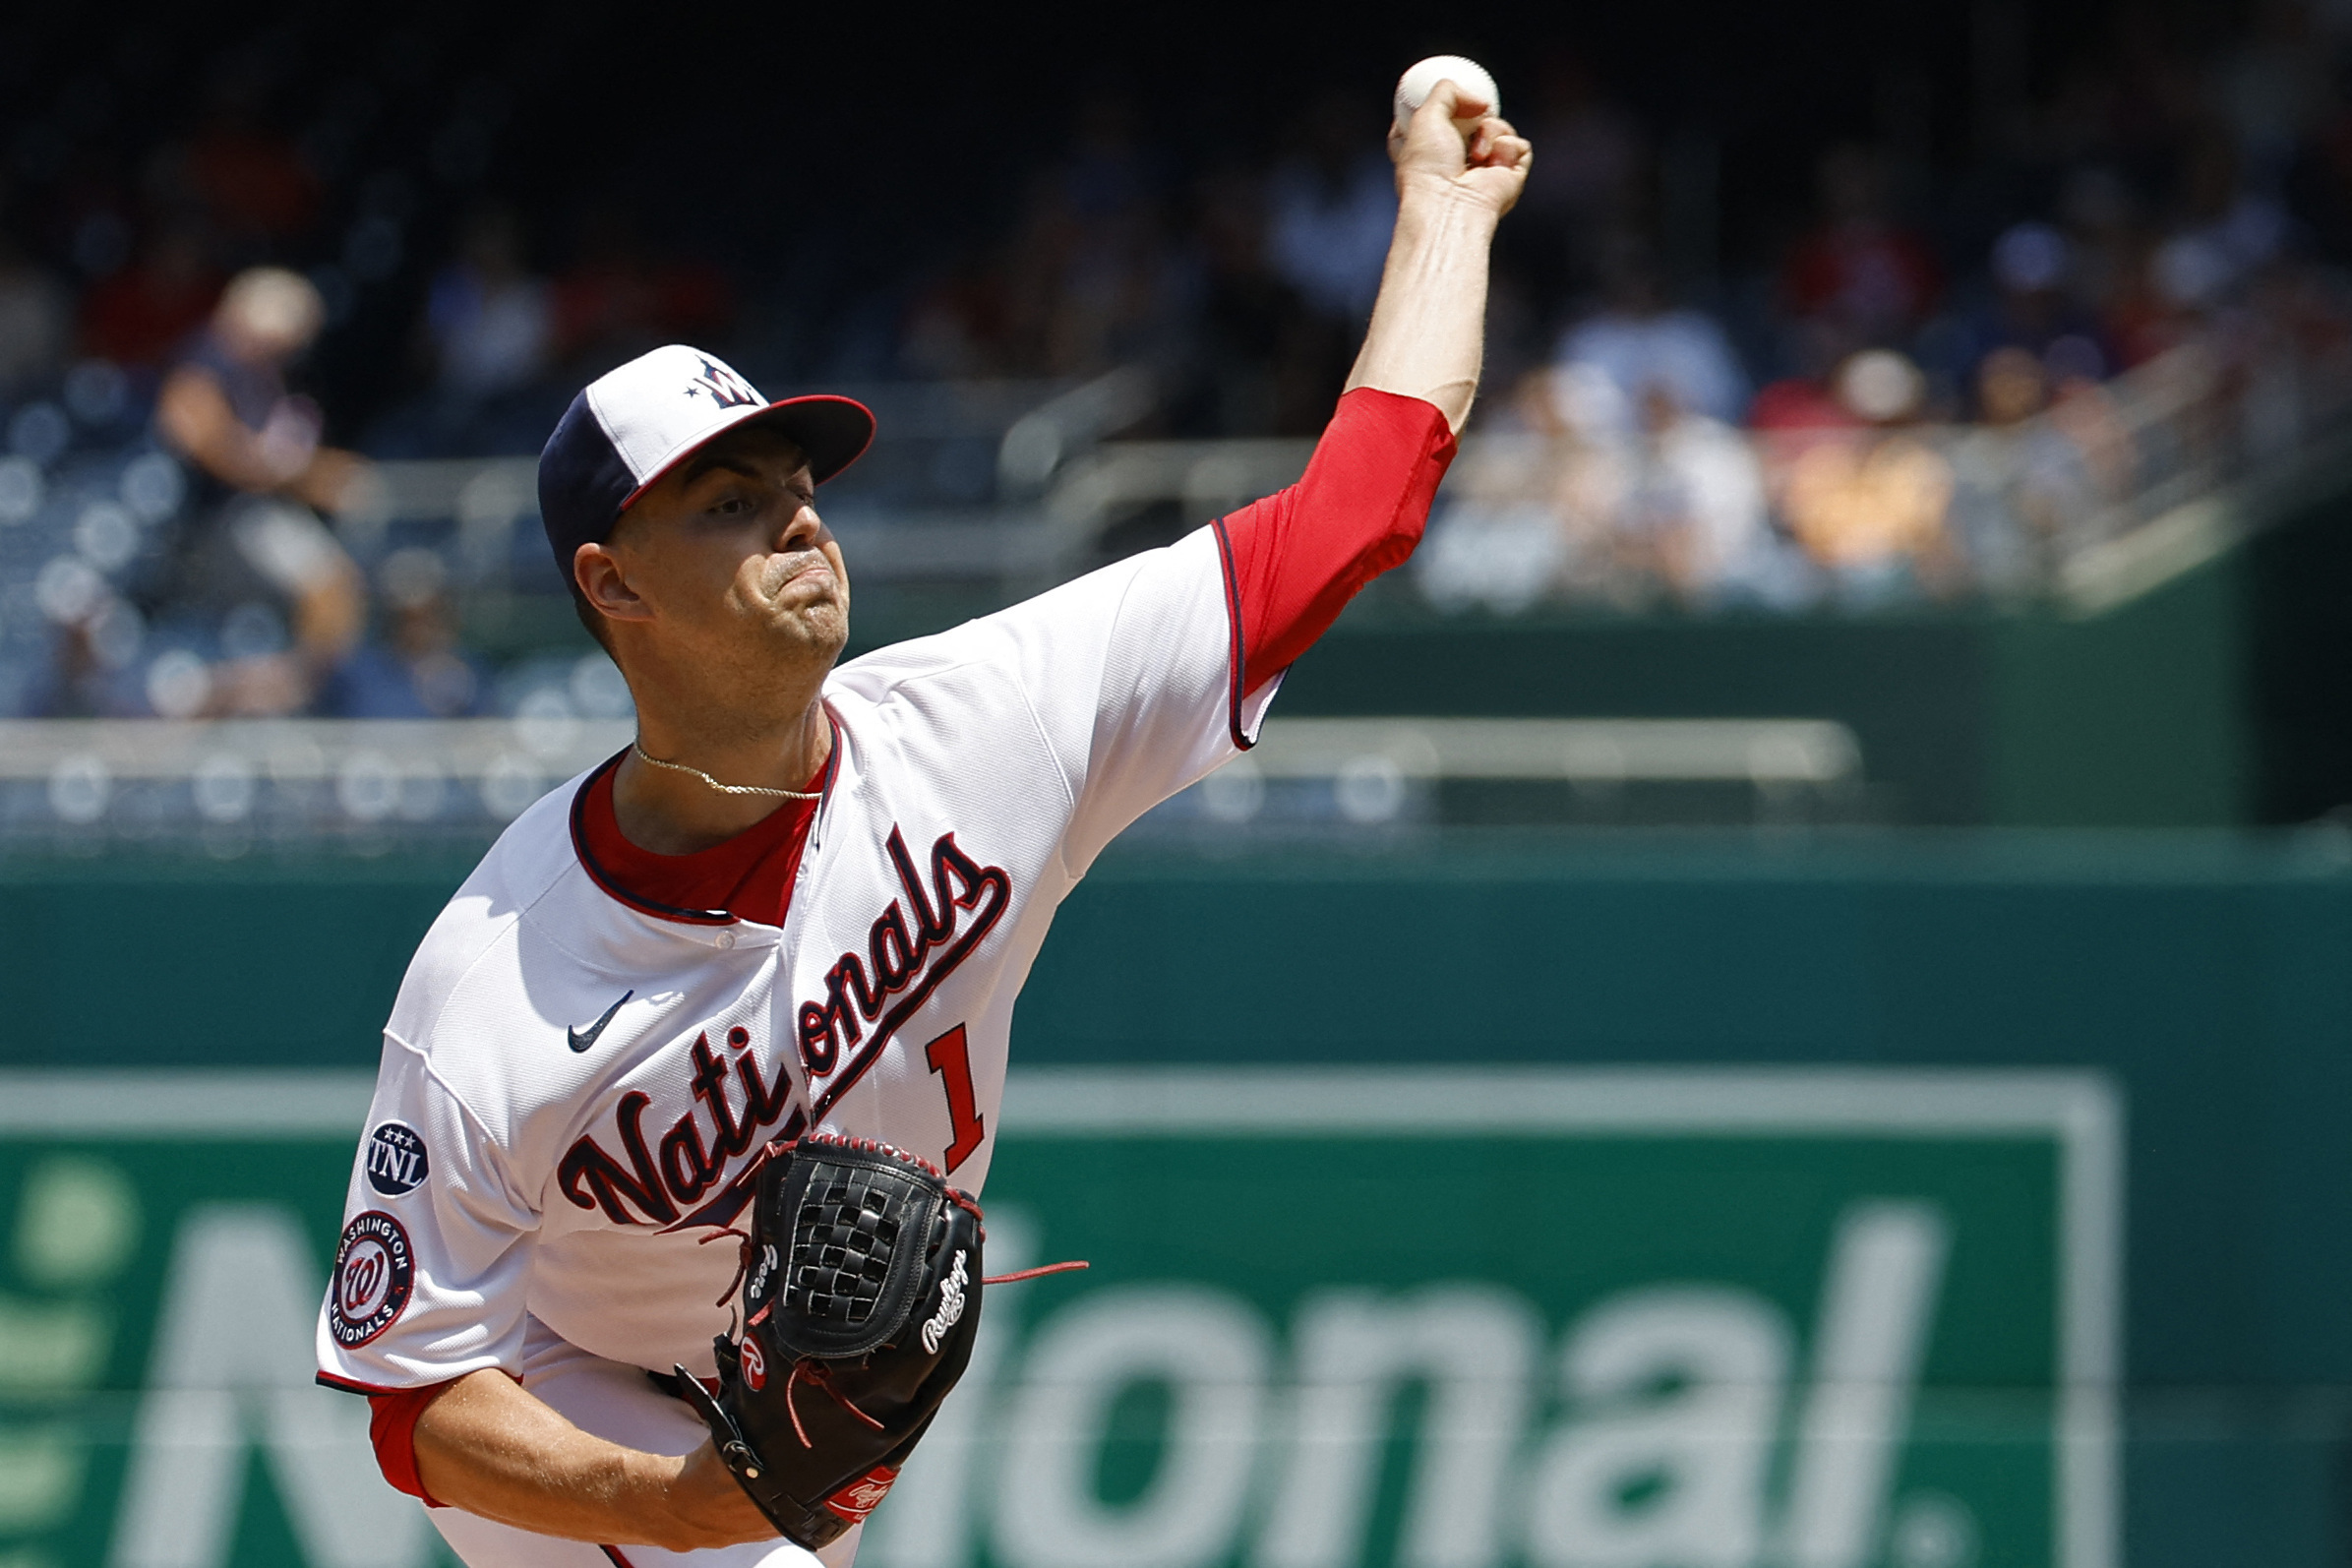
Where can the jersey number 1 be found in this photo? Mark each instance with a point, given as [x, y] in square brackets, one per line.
[950, 1056]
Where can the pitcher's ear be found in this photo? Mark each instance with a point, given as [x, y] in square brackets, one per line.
[604, 587]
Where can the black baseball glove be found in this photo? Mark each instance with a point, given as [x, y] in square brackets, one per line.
[861, 1297]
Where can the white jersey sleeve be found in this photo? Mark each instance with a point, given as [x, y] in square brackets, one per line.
[435, 1243]
[1133, 675]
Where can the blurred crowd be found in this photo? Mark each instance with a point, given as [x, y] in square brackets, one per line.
[2138, 293]
[1923, 381]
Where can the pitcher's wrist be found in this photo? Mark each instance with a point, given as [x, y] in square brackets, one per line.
[1427, 203]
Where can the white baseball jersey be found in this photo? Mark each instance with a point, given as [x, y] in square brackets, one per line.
[573, 1084]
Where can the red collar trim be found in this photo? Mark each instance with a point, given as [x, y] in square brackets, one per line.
[613, 888]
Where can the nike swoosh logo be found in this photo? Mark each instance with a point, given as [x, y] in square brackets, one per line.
[582, 1039]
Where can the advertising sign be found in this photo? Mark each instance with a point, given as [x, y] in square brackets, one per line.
[1565, 1318]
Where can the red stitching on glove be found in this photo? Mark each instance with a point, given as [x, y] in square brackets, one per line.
[821, 1375]
[840, 1140]
[742, 1260]
[1017, 1275]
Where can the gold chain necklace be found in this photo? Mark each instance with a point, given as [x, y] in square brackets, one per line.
[726, 789]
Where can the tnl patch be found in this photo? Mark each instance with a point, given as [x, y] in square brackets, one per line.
[396, 1162]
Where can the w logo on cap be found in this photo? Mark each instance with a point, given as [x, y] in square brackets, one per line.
[726, 389]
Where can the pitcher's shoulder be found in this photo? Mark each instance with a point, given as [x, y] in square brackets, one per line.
[531, 867]
[873, 678]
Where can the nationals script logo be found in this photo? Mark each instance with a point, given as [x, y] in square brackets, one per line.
[916, 942]
[661, 1182]
[899, 959]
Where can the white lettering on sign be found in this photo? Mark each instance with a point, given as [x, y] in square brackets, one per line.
[1212, 1351]
[1476, 1346]
[234, 1355]
[1678, 1406]
[1724, 1353]
[1875, 1308]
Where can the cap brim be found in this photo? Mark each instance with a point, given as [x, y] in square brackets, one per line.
[831, 432]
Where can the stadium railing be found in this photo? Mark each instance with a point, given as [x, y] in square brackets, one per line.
[227, 787]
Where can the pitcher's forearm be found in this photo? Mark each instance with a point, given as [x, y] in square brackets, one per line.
[490, 1448]
[1428, 329]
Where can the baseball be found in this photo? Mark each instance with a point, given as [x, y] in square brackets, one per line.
[1414, 86]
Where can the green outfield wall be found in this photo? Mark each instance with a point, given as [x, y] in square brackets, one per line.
[2141, 716]
[1487, 1200]
[2217, 690]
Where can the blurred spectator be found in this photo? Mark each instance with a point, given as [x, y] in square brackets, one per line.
[2319, 182]
[1509, 530]
[2183, 283]
[90, 672]
[34, 315]
[1500, 553]
[2295, 348]
[143, 315]
[2024, 489]
[2159, 323]
[2032, 308]
[956, 327]
[2144, 314]
[620, 299]
[2011, 387]
[490, 319]
[1696, 508]
[415, 668]
[1797, 404]
[2226, 208]
[1259, 362]
[2272, 90]
[268, 582]
[1332, 208]
[225, 405]
[1566, 494]
[1638, 341]
[1858, 277]
[2099, 218]
[1092, 279]
[1587, 185]
[250, 178]
[1869, 508]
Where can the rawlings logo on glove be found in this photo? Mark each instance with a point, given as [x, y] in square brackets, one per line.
[951, 1307]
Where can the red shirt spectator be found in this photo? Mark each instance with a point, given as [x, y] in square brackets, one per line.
[620, 299]
[143, 314]
[1797, 404]
[1858, 268]
[1868, 275]
[252, 181]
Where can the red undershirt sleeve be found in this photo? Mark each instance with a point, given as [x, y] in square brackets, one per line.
[391, 1428]
[1293, 560]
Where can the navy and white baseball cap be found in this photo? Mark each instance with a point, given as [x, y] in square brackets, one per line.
[632, 425]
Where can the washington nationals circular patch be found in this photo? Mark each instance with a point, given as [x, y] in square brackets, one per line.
[374, 1272]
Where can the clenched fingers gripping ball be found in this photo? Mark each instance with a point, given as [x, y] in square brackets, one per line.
[1416, 85]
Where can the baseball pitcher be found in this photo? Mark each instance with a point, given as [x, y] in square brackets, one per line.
[663, 1241]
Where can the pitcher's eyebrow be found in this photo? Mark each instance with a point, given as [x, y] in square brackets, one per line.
[710, 462]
